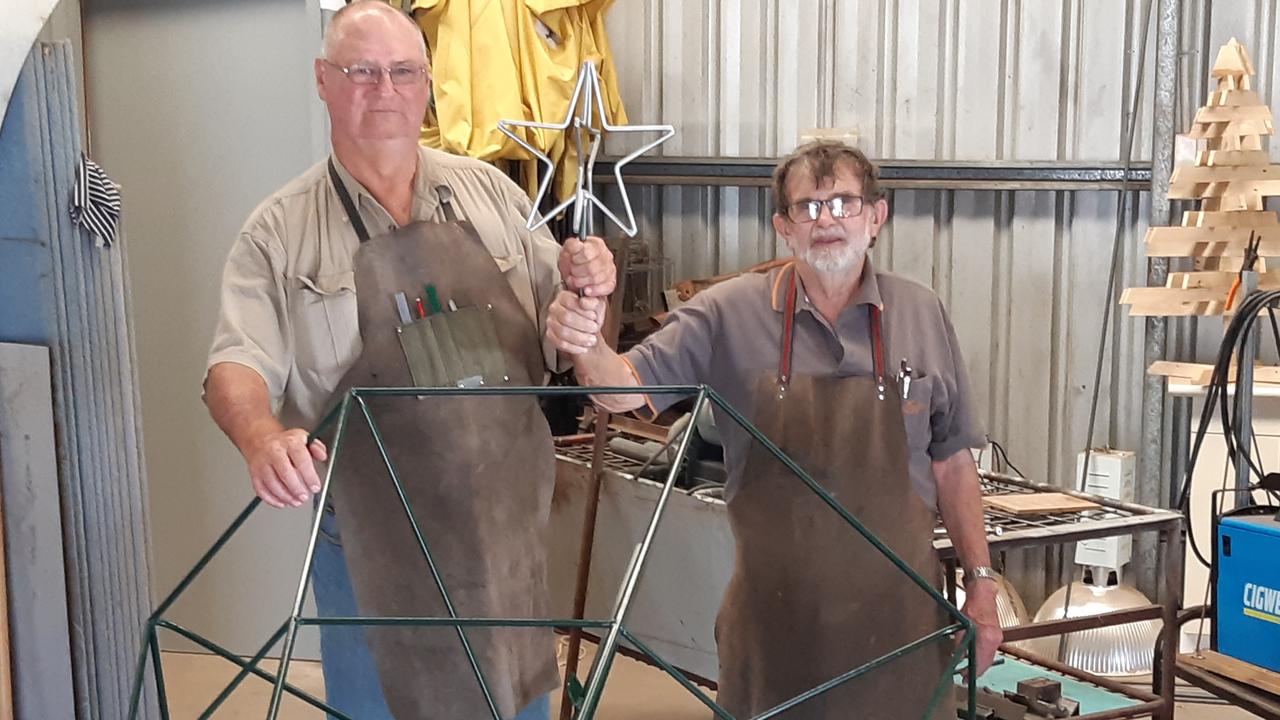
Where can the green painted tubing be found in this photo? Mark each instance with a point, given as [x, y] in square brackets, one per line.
[291, 636]
[140, 670]
[860, 670]
[227, 655]
[678, 676]
[243, 673]
[161, 695]
[525, 390]
[456, 622]
[948, 680]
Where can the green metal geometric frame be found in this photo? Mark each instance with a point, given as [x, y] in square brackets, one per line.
[614, 627]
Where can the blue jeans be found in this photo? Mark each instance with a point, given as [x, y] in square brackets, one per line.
[350, 676]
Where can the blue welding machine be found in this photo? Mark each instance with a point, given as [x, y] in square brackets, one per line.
[1248, 595]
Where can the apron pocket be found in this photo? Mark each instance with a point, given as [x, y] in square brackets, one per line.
[454, 349]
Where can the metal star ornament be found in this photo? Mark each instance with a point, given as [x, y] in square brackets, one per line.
[585, 106]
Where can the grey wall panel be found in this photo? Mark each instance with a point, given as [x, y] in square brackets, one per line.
[1024, 273]
[76, 304]
[920, 79]
[35, 571]
[196, 144]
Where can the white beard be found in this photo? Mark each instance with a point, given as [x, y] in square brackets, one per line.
[839, 258]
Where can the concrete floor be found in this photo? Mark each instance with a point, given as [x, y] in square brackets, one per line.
[635, 692]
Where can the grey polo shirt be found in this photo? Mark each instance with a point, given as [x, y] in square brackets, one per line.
[731, 333]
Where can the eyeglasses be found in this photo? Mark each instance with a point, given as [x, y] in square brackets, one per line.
[841, 207]
[362, 74]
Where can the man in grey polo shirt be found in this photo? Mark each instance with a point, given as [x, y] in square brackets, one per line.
[857, 375]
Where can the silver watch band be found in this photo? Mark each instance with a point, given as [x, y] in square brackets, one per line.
[982, 572]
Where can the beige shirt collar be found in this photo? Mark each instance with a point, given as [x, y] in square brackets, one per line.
[426, 200]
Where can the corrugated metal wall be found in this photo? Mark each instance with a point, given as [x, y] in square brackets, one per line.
[1023, 273]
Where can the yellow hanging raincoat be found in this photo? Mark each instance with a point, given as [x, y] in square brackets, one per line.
[515, 60]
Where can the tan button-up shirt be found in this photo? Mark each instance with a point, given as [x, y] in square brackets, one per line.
[288, 307]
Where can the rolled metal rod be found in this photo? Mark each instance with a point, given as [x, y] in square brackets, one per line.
[586, 546]
[452, 622]
[604, 656]
[526, 390]
[1170, 555]
[1077, 674]
[1091, 622]
[231, 657]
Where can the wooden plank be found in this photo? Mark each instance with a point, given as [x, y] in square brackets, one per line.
[1219, 280]
[1229, 264]
[1197, 174]
[1165, 294]
[1229, 98]
[1193, 373]
[1247, 219]
[1172, 302]
[647, 430]
[1232, 60]
[1232, 158]
[1234, 128]
[1038, 503]
[1234, 113]
[1242, 190]
[1207, 242]
[1199, 373]
[1237, 670]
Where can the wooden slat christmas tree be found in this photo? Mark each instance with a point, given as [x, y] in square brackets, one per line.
[1231, 177]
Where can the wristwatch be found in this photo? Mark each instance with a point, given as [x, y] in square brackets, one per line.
[982, 572]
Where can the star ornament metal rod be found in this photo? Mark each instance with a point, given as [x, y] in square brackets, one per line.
[586, 106]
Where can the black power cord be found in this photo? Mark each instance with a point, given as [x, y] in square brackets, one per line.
[1217, 399]
[1003, 456]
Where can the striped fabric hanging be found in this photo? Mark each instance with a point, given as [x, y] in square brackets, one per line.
[96, 202]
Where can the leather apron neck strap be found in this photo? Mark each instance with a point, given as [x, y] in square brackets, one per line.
[788, 338]
[348, 204]
[444, 192]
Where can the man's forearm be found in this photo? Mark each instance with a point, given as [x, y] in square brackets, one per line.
[960, 502]
[602, 367]
[240, 404]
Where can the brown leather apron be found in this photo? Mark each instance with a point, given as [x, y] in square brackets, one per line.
[477, 471]
[810, 599]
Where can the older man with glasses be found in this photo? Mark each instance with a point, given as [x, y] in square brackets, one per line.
[856, 374]
[292, 336]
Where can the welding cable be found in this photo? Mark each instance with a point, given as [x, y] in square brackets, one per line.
[1226, 404]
